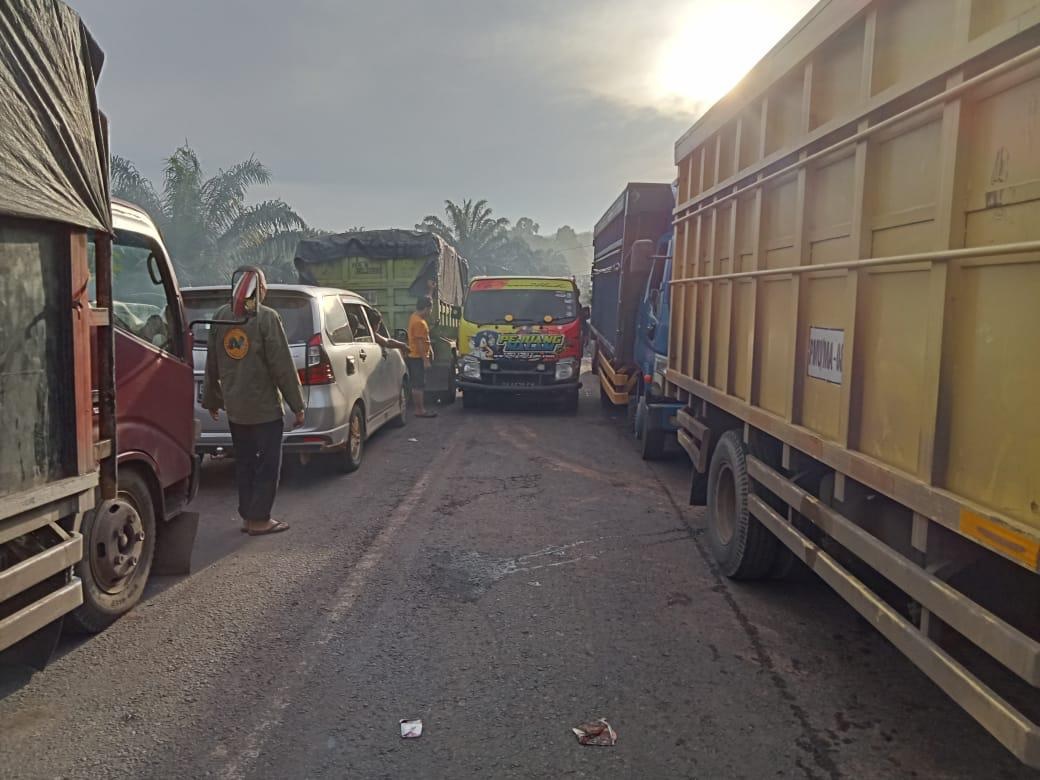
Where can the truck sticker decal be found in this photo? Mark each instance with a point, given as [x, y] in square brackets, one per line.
[236, 343]
[490, 344]
[531, 345]
[826, 354]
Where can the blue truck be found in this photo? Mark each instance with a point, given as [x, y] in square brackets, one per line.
[629, 318]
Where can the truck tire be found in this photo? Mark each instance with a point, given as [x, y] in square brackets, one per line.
[634, 399]
[116, 560]
[742, 547]
[652, 441]
[448, 396]
[569, 402]
[471, 399]
[350, 459]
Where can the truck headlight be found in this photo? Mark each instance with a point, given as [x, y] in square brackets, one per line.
[565, 369]
[470, 368]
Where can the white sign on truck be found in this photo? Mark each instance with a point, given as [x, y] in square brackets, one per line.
[826, 354]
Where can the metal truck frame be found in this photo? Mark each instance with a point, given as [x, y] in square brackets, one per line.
[854, 327]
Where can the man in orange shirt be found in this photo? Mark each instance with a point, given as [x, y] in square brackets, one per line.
[420, 353]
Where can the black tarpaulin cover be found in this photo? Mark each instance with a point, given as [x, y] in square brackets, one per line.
[53, 152]
[443, 264]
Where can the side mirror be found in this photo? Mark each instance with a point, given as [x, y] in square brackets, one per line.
[401, 334]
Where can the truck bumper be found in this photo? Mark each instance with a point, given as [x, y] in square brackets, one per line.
[561, 387]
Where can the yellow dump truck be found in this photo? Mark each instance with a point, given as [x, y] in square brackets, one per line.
[856, 331]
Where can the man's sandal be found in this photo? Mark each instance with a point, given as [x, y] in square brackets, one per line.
[277, 528]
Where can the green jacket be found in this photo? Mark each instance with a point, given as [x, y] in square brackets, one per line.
[249, 369]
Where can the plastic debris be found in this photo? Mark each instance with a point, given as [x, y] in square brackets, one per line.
[598, 733]
[411, 729]
[413, 440]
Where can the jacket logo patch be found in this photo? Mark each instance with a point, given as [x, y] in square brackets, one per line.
[236, 343]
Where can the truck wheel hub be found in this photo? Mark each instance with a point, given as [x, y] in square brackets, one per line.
[116, 544]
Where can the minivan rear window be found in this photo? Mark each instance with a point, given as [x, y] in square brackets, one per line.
[295, 310]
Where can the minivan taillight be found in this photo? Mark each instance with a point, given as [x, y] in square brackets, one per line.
[317, 368]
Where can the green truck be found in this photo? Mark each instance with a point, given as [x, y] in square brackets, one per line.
[391, 269]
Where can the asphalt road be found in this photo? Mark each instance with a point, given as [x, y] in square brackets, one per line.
[503, 575]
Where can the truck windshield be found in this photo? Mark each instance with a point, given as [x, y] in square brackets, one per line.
[295, 310]
[140, 303]
[492, 306]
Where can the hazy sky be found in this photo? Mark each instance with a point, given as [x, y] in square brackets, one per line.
[373, 113]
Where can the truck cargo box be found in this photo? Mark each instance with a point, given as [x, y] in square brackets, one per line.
[854, 298]
[641, 212]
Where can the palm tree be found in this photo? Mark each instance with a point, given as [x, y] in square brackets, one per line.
[208, 228]
[472, 229]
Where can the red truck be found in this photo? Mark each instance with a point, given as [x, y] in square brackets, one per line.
[92, 496]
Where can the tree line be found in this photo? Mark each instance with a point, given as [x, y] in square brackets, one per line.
[210, 228]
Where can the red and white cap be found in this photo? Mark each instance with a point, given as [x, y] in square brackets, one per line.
[247, 283]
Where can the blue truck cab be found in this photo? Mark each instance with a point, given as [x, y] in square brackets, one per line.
[651, 412]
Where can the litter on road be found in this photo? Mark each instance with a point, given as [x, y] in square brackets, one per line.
[598, 733]
[411, 729]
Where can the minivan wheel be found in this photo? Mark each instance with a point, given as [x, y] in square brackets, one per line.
[118, 546]
[402, 404]
[350, 461]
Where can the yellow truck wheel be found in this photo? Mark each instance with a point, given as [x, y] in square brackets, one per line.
[742, 547]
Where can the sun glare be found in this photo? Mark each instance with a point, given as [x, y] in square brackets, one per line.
[715, 44]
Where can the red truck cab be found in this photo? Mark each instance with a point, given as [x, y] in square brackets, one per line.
[155, 427]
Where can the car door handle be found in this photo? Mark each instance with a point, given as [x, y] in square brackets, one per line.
[363, 355]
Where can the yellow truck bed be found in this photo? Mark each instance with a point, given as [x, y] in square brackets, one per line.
[857, 272]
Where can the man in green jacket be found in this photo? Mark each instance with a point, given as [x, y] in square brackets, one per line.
[249, 372]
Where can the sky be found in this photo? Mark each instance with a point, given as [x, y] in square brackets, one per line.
[374, 113]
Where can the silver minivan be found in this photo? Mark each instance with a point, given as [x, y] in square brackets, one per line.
[352, 386]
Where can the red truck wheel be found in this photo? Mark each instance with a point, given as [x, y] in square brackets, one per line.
[118, 546]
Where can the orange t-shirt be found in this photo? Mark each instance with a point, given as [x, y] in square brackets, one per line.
[418, 337]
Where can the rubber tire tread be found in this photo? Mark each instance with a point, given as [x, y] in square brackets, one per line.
[346, 465]
[752, 550]
[652, 444]
[569, 403]
[93, 616]
[401, 420]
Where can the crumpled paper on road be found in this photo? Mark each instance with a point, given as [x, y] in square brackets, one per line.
[411, 728]
[597, 733]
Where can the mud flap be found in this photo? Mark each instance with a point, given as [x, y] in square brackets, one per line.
[175, 540]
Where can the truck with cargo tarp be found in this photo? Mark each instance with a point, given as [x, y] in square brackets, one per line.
[91, 502]
[391, 269]
[855, 325]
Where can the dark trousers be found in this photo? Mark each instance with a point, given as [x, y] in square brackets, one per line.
[258, 463]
